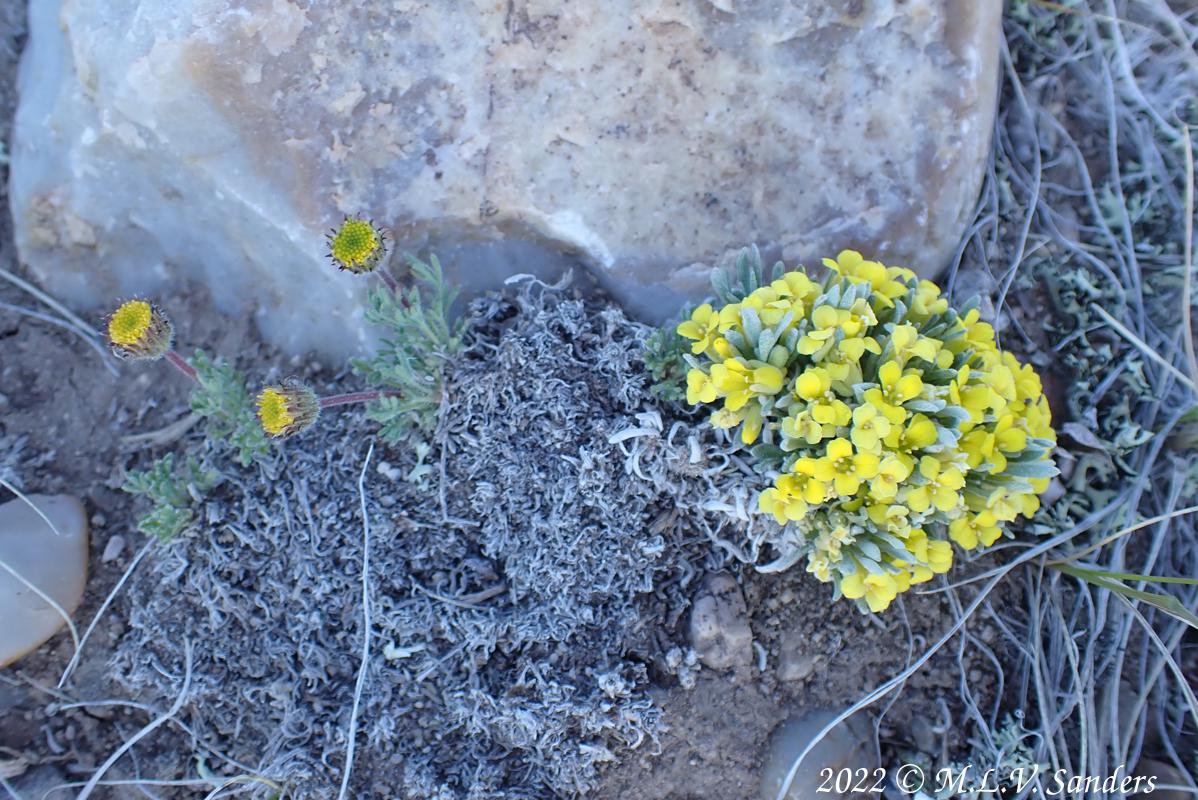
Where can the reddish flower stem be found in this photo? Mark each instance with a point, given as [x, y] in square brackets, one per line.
[356, 397]
[181, 364]
[388, 279]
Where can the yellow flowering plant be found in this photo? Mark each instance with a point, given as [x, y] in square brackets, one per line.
[889, 424]
[423, 338]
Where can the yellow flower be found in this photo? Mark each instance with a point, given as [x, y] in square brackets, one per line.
[699, 387]
[791, 496]
[798, 286]
[739, 381]
[939, 556]
[857, 319]
[730, 317]
[927, 302]
[932, 556]
[903, 578]
[844, 362]
[723, 418]
[865, 449]
[140, 331]
[896, 389]
[703, 327]
[751, 428]
[869, 428]
[722, 349]
[855, 347]
[1027, 382]
[357, 246]
[815, 386]
[879, 590]
[882, 279]
[1004, 505]
[819, 566]
[971, 529]
[826, 321]
[978, 335]
[982, 445]
[771, 306]
[840, 468]
[1028, 503]
[975, 399]
[942, 487]
[1038, 418]
[1001, 381]
[892, 471]
[287, 408]
[802, 426]
[919, 433]
[889, 516]
[909, 344]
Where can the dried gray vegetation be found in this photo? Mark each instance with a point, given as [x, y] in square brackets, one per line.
[518, 567]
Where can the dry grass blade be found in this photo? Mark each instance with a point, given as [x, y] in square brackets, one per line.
[1104, 541]
[1183, 682]
[1144, 348]
[351, 736]
[1187, 266]
[47, 599]
[66, 673]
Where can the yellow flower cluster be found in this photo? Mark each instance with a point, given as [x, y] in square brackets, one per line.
[891, 422]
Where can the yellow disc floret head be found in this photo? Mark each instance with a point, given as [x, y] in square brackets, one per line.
[357, 246]
[139, 330]
[287, 408]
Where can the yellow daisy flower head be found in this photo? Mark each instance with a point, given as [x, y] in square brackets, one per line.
[139, 330]
[287, 408]
[357, 246]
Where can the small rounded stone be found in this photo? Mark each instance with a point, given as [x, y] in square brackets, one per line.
[56, 563]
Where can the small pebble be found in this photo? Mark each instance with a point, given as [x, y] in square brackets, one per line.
[389, 472]
[114, 548]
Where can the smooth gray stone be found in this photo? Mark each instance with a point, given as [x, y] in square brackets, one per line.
[56, 564]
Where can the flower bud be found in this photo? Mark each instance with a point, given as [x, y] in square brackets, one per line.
[140, 331]
[288, 408]
[357, 246]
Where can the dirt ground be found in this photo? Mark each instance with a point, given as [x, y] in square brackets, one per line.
[816, 657]
[60, 399]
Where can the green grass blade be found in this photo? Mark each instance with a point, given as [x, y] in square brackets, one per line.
[1111, 581]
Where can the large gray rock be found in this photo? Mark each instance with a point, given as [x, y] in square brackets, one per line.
[218, 140]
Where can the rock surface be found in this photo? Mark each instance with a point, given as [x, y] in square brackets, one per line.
[56, 563]
[217, 140]
[845, 747]
[797, 659]
[719, 626]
